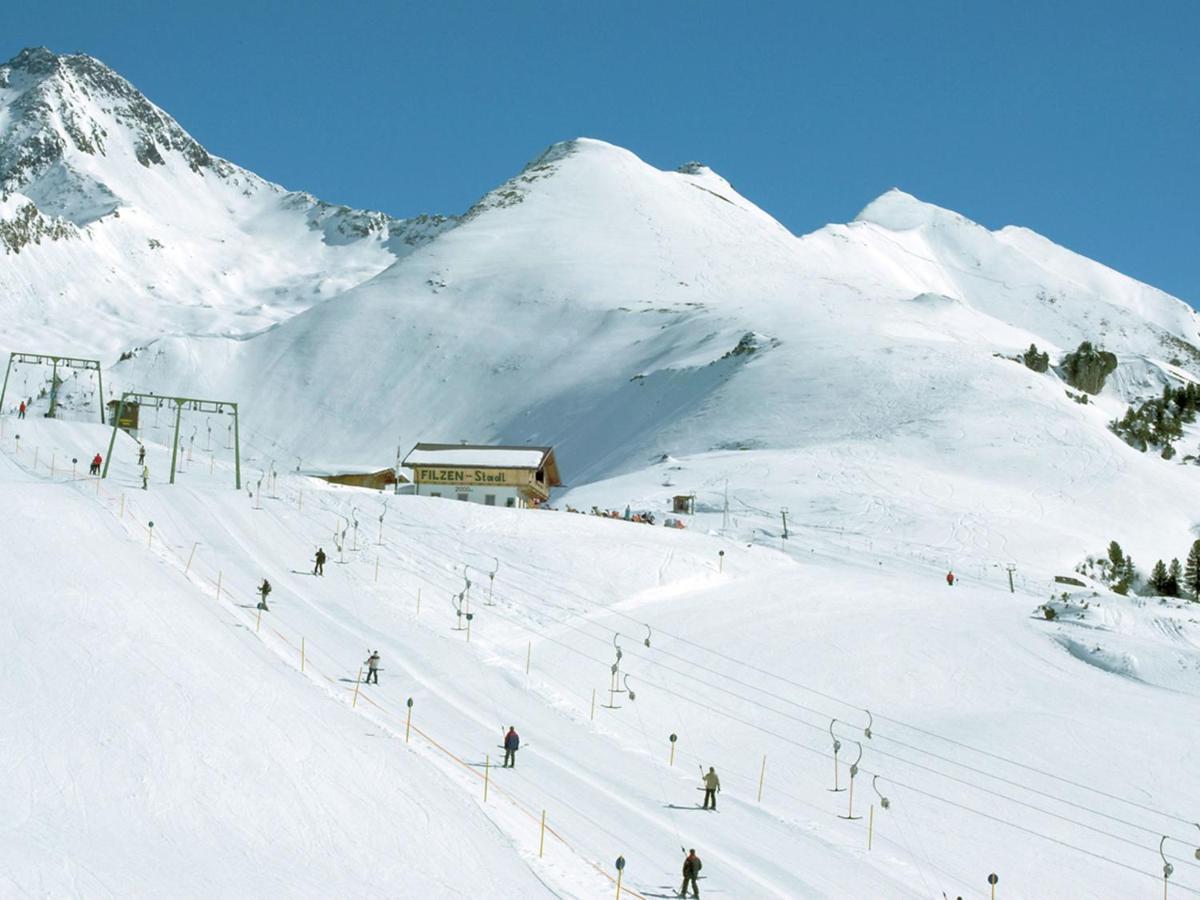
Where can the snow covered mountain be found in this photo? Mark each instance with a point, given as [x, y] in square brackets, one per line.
[628, 315]
[624, 314]
[110, 211]
[668, 337]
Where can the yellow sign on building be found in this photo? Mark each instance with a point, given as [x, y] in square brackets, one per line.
[472, 476]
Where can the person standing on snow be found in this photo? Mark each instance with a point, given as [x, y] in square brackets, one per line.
[145, 477]
[691, 871]
[512, 743]
[21, 410]
[319, 568]
[950, 578]
[263, 590]
[712, 784]
[95, 467]
[141, 455]
[372, 664]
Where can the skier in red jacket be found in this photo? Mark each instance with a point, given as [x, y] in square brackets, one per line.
[691, 871]
[512, 742]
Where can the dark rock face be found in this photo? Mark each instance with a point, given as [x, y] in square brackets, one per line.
[1086, 368]
[64, 88]
[29, 226]
[61, 106]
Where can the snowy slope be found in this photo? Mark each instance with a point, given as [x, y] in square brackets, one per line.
[1002, 742]
[152, 752]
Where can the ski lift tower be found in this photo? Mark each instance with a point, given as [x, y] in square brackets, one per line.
[43, 359]
[192, 404]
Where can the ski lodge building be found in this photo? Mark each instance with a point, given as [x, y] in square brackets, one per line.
[515, 477]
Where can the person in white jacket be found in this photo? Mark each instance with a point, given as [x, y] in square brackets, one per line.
[712, 784]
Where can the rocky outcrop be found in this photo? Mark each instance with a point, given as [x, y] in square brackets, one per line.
[23, 224]
[1086, 368]
[1035, 360]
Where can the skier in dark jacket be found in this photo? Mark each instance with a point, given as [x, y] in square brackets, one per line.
[319, 568]
[512, 742]
[141, 455]
[691, 871]
[263, 590]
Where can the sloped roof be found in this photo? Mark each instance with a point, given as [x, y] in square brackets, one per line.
[484, 456]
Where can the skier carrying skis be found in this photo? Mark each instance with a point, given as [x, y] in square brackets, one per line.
[712, 784]
[319, 568]
[950, 578]
[691, 870]
[372, 664]
[264, 589]
[512, 743]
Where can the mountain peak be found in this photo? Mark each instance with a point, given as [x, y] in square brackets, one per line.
[34, 60]
[40, 63]
[898, 210]
[66, 111]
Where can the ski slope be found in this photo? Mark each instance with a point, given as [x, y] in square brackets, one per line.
[666, 336]
[750, 656]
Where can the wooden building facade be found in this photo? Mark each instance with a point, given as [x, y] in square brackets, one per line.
[515, 477]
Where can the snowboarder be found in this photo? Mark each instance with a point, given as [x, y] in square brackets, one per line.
[263, 590]
[145, 477]
[712, 784]
[319, 568]
[950, 579]
[691, 870]
[95, 467]
[21, 410]
[141, 455]
[512, 743]
[372, 664]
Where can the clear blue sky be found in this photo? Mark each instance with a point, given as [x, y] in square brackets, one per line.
[1078, 119]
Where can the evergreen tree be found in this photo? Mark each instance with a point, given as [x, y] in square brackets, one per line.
[1158, 578]
[1191, 574]
[1174, 577]
[1116, 556]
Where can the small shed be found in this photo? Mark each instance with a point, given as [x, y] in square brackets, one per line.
[374, 480]
[685, 504]
[493, 475]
